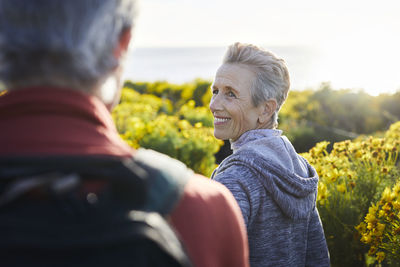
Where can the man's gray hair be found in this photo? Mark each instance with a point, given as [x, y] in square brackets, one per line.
[272, 76]
[62, 43]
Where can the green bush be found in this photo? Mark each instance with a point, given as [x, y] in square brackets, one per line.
[199, 91]
[352, 177]
[149, 121]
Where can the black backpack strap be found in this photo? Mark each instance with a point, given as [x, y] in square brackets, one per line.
[60, 174]
[161, 233]
[150, 181]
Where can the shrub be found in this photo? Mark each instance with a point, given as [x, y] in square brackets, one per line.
[381, 227]
[148, 121]
[352, 176]
[196, 114]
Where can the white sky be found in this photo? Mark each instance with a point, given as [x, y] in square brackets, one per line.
[359, 40]
[270, 22]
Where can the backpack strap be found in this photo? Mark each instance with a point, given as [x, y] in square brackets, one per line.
[149, 181]
[162, 234]
[59, 175]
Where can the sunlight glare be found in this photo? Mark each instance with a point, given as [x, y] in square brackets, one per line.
[362, 61]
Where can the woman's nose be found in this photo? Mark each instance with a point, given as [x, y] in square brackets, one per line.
[215, 103]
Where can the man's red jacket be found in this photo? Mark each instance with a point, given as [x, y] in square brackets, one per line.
[49, 121]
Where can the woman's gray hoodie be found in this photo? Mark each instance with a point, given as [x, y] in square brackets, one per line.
[276, 190]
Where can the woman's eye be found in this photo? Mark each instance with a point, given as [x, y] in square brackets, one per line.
[215, 91]
[231, 94]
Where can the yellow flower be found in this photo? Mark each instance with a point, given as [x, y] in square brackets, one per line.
[185, 134]
[183, 124]
[386, 207]
[370, 217]
[320, 148]
[366, 238]
[372, 250]
[376, 142]
[332, 175]
[373, 209]
[381, 213]
[386, 195]
[396, 205]
[322, 193]
[341, 188]
[380, 256]
[396, 189]
[361, 227]
[379, 229]
[371, 225]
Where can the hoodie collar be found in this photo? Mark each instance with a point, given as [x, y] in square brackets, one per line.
[253, 135]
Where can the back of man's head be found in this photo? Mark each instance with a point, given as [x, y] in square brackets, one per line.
[62, 43]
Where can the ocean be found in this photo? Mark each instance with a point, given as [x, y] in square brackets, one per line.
[308, 66]
[184, 64]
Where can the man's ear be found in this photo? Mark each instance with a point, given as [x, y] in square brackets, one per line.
[267, 110]
[110, 90]
[123, 43]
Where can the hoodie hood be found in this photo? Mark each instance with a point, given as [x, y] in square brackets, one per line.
[288, 178]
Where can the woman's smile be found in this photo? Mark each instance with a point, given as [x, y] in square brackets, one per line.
[220, 120]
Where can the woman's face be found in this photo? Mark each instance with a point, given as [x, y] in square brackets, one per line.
[231, 102]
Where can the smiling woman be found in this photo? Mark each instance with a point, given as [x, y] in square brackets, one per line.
[275, 187]
[231, 103]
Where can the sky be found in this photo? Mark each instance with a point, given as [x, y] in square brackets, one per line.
[359, 41]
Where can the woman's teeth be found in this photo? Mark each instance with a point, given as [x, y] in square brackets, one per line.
[218, 120]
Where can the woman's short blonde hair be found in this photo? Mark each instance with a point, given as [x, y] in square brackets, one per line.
[272, 76]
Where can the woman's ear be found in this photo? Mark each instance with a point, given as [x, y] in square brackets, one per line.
[267, 110]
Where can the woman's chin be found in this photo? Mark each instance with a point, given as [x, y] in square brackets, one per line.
[220, 136]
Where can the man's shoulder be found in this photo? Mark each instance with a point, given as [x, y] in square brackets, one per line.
[207, 218]
[206, 196]
[207, 205]
[200, 185]
[198, 191]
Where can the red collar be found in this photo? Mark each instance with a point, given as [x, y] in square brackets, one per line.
[52, 121]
